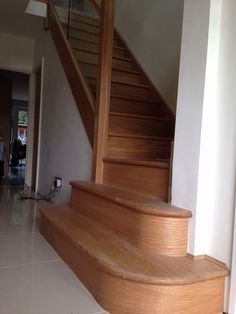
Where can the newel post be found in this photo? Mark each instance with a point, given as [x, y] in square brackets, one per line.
[107, 15]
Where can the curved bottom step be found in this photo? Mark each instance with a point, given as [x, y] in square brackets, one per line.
[122, 279]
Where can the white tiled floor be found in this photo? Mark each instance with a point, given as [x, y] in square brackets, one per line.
[33, 278]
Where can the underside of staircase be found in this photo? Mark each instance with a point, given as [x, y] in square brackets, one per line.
[120, 235]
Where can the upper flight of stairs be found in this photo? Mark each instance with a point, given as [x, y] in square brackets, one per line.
[141, 128]
[121, 237]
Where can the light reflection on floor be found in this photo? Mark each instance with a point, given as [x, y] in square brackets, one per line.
[16, 177]
[33, 278]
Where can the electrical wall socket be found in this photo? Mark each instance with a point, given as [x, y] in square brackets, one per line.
[57, 182]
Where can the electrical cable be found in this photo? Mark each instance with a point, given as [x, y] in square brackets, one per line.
[25, 195]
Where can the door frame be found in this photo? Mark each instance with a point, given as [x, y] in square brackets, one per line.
[31, 144]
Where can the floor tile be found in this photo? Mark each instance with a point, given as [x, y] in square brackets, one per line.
[27, 248]
[49, 288]
[18, 214]
[33, 278]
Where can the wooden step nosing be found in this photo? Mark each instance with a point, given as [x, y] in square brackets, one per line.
[145, 209]
[139, 116]
[165, 164]
[116, 271]
[141, 137]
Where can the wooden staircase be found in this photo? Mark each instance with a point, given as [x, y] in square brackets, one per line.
[119, 234]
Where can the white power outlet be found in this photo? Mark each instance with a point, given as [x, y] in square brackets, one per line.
[57, 182]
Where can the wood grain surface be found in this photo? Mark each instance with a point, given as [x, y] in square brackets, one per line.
[120, 285]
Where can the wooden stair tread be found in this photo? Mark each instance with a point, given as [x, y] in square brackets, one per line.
[157, 163]
[138, 202]
[139, 116]
[120, 259]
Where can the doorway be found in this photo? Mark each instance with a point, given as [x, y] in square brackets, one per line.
[38, 79]
[14, 99]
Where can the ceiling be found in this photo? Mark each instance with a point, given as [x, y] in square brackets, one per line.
[14, 21]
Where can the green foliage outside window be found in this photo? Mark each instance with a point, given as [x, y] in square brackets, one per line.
[23, 118]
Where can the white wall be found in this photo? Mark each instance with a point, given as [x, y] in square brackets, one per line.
[204, 156]
[226, 187]
[152, 29]
[64, 147]
[205, 138]
[16, 53]
[189, 107]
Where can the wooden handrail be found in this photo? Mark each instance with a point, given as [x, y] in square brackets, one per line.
[97, 4]
[81, 92]
[107, 16]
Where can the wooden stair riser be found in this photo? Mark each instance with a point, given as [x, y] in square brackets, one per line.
[129, 90]
[146, 180]
[125, 147]
[77, 25]
[90, 70]
[120, 296]
[152, 234]
[140, 126]
[87, 57]
[135, 107]
[78, 18]
[124, 89]
[83, 34]
[88, 36]
[126, 76]
[93, 46]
